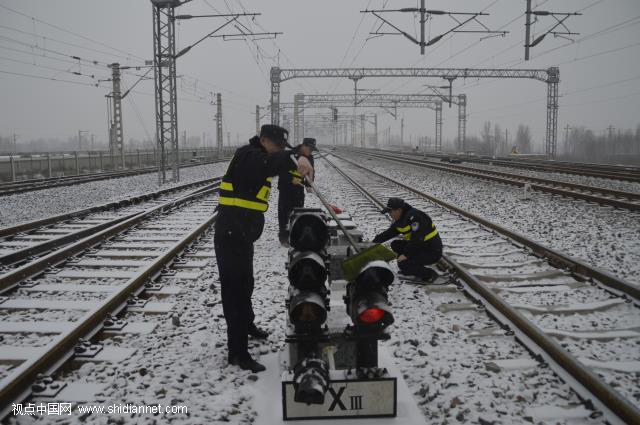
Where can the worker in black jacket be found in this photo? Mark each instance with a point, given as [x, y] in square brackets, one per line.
[244, 198]
[291, 186]
[420, 244]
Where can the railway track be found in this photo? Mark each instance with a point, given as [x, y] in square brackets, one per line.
[21, 243]
[602, 196]
[51, 182]
[580, 320]
[58, 307]
[615, 172]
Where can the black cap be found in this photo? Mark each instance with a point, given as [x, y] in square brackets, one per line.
[311, 142]
[392, 204]
[276, 134]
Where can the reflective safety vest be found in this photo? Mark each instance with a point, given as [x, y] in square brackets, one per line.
[257, 202]
[296, 177]
[406, 232]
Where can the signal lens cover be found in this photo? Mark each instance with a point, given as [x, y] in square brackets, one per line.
[371, 316]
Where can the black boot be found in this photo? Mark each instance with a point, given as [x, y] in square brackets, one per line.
[247, 364]
[429, 275]
[257, 333]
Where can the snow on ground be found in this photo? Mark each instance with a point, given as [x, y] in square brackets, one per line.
[186, 364]
[39, 204]
[452, 373]
[602, 236]
[455, 377]
[569, 178]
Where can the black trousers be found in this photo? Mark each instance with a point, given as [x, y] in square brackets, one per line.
[235, 267]
[288, 199]
[415, 262]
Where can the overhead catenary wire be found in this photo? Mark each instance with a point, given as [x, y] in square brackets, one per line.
[128, 55]
[40, 77]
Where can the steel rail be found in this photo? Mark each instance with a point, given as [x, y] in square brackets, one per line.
[12, 278]
[584, 169]
[609, 398]
[17, 385]
[23, 227]
[13, 188]
[536, 183]
[53, 243]
[555, 258]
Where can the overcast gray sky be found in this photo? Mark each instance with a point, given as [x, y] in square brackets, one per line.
[600, 72]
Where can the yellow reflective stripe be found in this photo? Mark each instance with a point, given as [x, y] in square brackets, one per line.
[269, 179]
[407, 236]
[403, 229]
[243, 203]
[264, 193]
[226, 186]
[432, 234]
[295, 173]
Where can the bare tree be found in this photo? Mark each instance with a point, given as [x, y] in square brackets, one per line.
[497, 140]
[523, 139]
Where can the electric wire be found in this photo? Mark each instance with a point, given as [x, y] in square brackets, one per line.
[128, 55]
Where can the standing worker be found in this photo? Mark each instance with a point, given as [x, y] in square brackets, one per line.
[244, 198]
[421, 245]
[291, 188]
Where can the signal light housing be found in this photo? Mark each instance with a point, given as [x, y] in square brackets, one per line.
[307, 270]
[367, 300]
[308, 230]
[307, 310]
[311, 381]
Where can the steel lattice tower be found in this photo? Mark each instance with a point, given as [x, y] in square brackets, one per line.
[552, 112]
[462, 121]
[550, 76]
[164, 63]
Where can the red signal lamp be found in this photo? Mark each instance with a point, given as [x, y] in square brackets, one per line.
[371, 316]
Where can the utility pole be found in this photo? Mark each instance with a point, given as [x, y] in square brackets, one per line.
[15, 142]
[219, 140]
[298, 118]
[184, 138]
[362, 132]
[402, 131]
[258, 119]
[610, 133]
[506, 141]
[566, 138]
[375, 130]
[527, 30]
[116, 143]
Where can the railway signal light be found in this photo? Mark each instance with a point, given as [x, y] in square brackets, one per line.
[311, 381]
[308, 230]
[307, 270]
[307, 302]
[307, 309]
[367, 299]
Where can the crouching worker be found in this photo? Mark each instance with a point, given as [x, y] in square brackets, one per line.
[421, 245]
